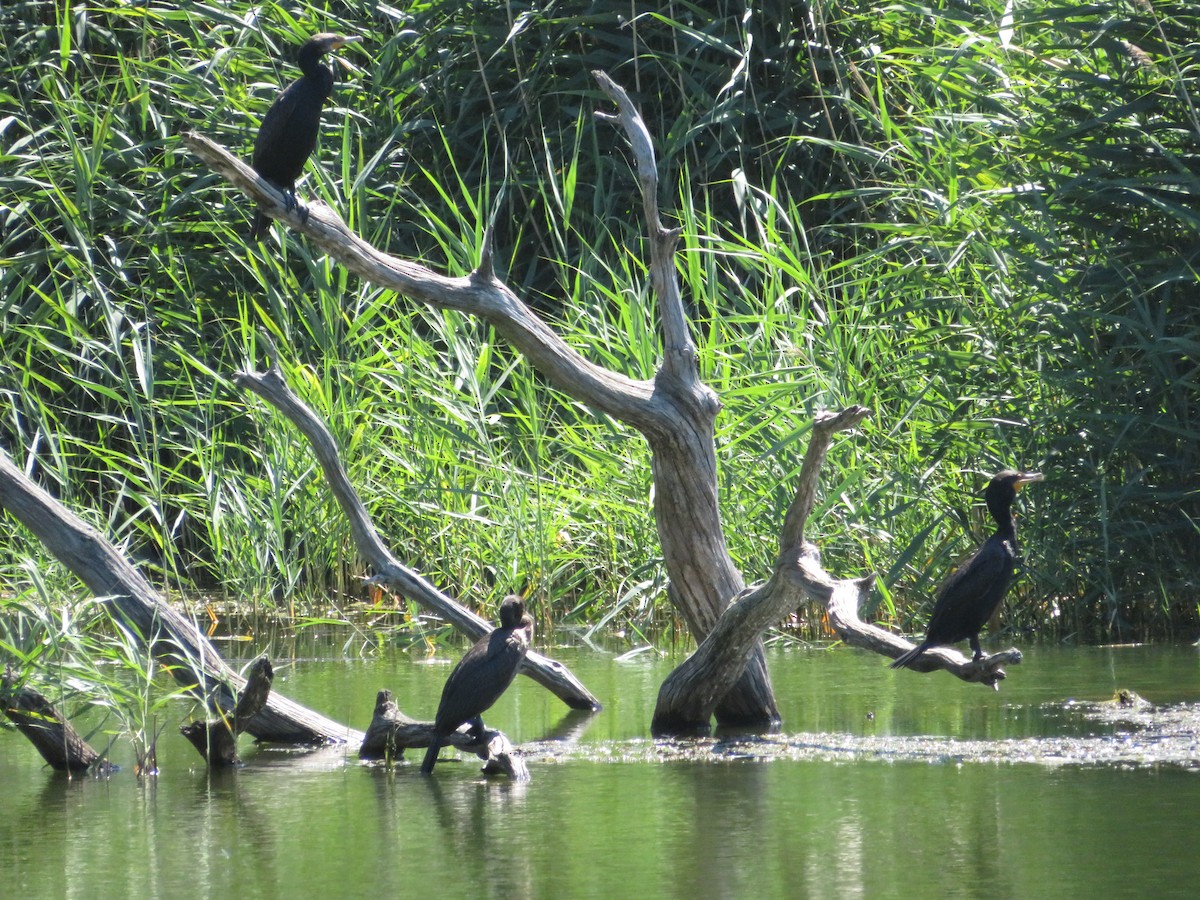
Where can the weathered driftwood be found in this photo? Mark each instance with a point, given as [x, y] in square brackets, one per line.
[682, 438]
[689, 695]
[61, 746]
[842, 609]
[272, 387]
[392, 732]
[731, 644]
[216, 739]
[686, 698]
[675, 412]
[170, 636]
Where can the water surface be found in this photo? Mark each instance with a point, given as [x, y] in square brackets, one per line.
[610, 813]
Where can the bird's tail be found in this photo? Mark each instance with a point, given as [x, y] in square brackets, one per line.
[258, 230]
[910, 657]
[431, 756]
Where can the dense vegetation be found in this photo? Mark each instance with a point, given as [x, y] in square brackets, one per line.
[980, 222]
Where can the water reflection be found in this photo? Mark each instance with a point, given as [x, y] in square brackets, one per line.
[226, 813]
[830, 806]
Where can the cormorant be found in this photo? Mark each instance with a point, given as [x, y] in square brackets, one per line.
[973, 592]
[481, 676]
[288, 134]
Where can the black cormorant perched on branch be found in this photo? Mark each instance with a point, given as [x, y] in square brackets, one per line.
[288, 134]
[972, 593]
[481, 676]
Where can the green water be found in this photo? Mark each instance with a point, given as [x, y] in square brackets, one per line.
[609, 814]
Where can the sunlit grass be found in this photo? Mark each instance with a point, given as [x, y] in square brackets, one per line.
[1001, 276]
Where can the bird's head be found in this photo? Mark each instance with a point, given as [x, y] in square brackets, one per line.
[326, 41]
[318, 45]
[512, 612]
[1002, 490]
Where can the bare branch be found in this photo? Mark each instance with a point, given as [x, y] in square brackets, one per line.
[801, 563]
[680, 357]
[478, 294]
[842, 600]
[688, 697]
[171, 637]
[825, 426]
[272, 387]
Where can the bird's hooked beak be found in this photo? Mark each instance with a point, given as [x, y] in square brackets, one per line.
[1025, 478]
[341, 41]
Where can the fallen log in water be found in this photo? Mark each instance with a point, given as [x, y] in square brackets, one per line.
[392, 732]
[216, 739]
[61, 746]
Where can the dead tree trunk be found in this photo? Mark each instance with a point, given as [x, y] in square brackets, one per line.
[675, 411]
[168, 634]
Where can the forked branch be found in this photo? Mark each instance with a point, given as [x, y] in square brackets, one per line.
[688, 697]
[480, 293]
[679, 350]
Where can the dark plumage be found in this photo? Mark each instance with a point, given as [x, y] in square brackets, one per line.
[971, 595]
[288, 134]
[481, 676]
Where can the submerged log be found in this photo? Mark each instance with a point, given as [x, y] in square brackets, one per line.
[60, 745]
[216, 739]
[392, 732]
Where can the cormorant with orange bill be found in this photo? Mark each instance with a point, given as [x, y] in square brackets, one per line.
[971, 595]
[288, 134]
[481, 676]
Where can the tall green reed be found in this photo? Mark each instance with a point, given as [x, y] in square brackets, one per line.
[885, 207]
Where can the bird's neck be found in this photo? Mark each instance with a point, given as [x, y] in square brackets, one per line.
[1006, 525]
[310, 61]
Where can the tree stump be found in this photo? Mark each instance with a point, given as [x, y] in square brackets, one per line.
[59, 744]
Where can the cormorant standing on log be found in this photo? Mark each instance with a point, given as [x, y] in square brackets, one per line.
[288, 134]
[973, 592]
[481, 676]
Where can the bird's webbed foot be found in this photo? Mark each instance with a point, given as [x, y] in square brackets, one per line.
[476, 729]
[291, 204]
[294, 205]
